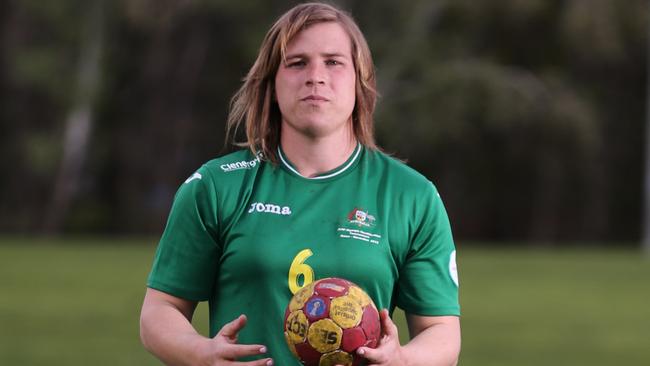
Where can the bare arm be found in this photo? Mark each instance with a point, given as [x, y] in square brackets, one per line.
[167, 332]
[435, 341]
[166, 329]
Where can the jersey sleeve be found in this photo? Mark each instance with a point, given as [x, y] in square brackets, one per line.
[428, 282]
[187, 258]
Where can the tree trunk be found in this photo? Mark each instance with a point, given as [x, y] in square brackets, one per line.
[645, 229]
[80, 119]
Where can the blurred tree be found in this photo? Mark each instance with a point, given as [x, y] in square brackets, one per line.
[39, 39]
[493, 107]
[527, 114]
[80, 119]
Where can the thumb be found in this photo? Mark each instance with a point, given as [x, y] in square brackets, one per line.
[230, 330]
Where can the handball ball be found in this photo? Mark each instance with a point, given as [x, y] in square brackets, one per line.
[327, 320]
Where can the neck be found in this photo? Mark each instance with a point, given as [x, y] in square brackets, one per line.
[313, 156]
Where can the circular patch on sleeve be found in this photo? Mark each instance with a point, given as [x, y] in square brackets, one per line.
[453, 270]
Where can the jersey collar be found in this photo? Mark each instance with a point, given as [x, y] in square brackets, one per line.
[330, 174]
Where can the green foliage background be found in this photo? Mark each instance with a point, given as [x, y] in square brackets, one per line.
[527, 114]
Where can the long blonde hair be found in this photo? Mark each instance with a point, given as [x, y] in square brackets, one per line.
[254, 106]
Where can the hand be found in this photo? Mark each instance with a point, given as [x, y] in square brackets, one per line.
[224, 350]
[389, 352]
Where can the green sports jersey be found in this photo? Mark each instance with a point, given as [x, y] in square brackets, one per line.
[245, 234]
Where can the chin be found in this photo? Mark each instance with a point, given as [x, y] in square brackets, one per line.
[316, 131]
[317, 126]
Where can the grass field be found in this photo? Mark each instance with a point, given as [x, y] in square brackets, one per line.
[77, 302]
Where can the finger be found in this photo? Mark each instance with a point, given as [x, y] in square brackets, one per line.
[387, 325]
[260, 362]
[231, 329]
[236, 351]
[374, 356]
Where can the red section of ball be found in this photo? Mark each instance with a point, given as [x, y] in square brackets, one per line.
[352, 339]
[316, 308]
[371, 326]
[308, 355]
[332, 287]
[358, 360]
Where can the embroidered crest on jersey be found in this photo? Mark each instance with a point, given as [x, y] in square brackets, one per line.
[269, 208]
[361, 218]
[358, 225]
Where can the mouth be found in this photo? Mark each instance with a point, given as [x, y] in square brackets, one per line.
[314, 98]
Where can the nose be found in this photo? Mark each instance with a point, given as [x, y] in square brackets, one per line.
[315, 74]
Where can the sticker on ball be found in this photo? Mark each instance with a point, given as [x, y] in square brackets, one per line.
[327, 320]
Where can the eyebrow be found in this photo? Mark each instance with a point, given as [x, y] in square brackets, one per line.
[326, 54]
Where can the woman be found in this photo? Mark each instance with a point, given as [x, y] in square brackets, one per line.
[311, 197]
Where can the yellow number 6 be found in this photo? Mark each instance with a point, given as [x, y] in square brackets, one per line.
[299, 268]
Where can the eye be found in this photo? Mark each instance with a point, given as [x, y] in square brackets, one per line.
[332, 62]
[296, 64]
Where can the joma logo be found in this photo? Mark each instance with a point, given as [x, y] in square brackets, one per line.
[269, 208]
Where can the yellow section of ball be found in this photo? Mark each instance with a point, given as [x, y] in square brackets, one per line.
[336, 358]
[346, 311]
[298, 300]
[291, 345]
[325, 336]
[358, 294]
[296, 327]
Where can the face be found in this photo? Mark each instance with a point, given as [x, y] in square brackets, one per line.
[315, 87]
